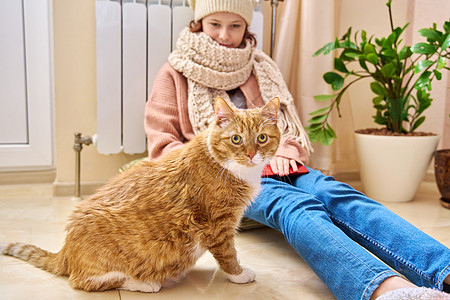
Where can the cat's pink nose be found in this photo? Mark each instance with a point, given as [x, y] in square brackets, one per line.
[251, 154]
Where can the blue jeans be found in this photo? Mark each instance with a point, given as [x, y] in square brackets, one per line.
[328, 223]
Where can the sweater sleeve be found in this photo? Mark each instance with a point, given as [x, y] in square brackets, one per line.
[162, 123]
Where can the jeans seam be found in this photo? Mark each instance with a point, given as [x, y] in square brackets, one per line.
[373, 282]
[442, 278]
[386, 250]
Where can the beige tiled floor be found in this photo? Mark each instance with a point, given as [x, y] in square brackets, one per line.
[29, 214]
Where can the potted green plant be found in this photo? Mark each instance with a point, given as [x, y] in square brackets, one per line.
[401, 79]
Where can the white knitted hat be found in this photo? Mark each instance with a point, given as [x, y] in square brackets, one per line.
[244, 8]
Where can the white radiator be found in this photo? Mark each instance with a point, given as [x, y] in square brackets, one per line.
[134, 39]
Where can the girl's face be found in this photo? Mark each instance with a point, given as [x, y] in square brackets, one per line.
[226, 28]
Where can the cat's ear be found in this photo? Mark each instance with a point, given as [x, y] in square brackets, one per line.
[224, 112]
[270, 110]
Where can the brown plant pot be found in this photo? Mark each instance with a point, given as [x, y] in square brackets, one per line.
[442, 174]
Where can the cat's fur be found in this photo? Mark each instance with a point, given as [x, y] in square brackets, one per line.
[151, 223]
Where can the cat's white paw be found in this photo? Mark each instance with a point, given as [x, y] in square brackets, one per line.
[138, 286]
[246, 276]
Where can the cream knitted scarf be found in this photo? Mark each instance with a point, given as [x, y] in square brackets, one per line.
[212, 69]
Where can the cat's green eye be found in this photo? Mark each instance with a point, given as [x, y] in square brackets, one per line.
[236, 139]
[262, 138]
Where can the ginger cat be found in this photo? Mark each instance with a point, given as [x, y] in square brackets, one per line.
[150, 224]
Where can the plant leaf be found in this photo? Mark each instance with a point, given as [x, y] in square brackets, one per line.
[446, 43]
[318, 119]
[423, 80]
[388, 43]
[336, 80]
[327, 137]
[331, 131]
[369, 48]
[313, 127]
[372, 58]
[362, 63]
[324, 97]
[352, 55]
[442, 62]
[437, 74]
[377, 101]
[377, 88]
[417, 123]
[388, 70]
[326, 49]
[405, 53]
[347, 34]
[423, 48]
[320, 111]
[340, 66]
[423, 65]
[379, 119]
[431, 34]
[364, 35]
[447, 26]
[312, 134]
[323, 135]
[390, 53]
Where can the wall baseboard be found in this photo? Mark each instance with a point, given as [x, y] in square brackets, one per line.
[66, 189]
[354, 176]
[27, 177]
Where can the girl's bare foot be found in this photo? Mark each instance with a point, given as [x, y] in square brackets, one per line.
[390, 284]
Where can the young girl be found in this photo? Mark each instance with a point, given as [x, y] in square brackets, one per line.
[327, 222]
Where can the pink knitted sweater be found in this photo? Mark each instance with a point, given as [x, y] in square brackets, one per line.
[167, 122]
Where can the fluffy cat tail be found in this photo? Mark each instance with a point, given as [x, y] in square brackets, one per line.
[34, 255]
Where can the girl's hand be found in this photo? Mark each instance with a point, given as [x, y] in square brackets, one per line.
[280, 165]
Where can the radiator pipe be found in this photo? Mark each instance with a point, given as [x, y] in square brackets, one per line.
[78, 146]
[274, 4]
[274, 17]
